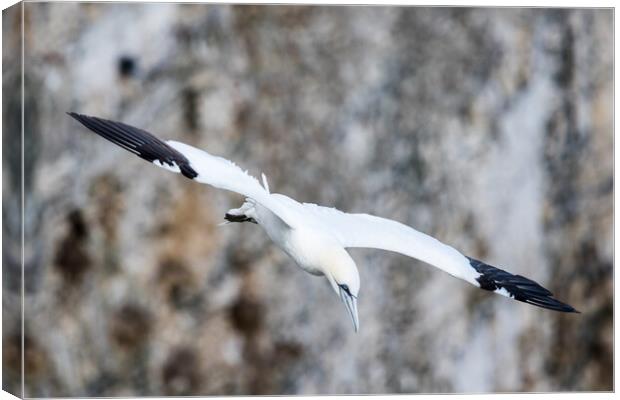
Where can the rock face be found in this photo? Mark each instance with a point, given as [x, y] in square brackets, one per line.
[490, 129]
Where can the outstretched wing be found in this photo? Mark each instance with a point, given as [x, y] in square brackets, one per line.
[181, 158]
[368, 231]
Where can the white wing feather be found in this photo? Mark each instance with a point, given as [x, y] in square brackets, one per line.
[369, 231]
[193, 163]
[224, 174]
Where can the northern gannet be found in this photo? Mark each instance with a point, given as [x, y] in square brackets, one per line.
[317, 237]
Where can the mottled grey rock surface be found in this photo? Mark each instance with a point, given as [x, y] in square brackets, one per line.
[490, 129]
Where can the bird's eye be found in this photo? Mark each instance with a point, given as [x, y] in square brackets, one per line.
[346, 289]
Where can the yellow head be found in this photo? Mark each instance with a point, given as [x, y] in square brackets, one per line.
[342, 274]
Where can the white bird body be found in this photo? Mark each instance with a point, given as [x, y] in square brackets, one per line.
[305, 246]
[315, 251]
[317, 237]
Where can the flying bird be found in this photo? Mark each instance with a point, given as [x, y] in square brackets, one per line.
[316, 237]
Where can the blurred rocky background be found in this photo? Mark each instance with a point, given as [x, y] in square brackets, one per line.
[490, 129]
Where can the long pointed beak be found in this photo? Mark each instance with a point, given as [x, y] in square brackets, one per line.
[351, 303]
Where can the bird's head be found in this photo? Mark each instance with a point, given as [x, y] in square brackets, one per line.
[345, 280]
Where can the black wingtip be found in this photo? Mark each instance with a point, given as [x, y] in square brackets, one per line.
[137, 141]
[78, 117]
[518, 287]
